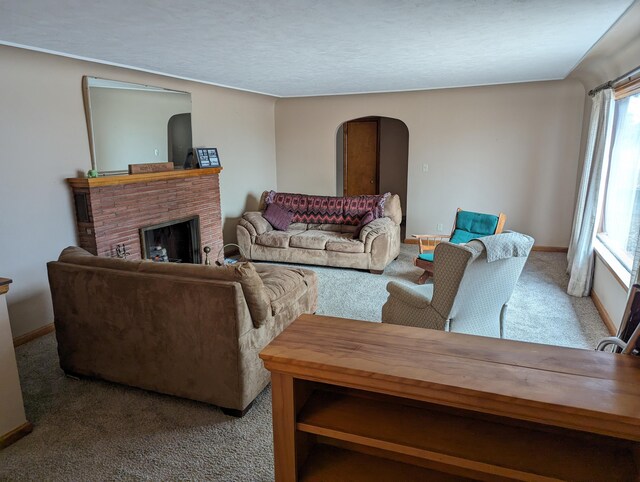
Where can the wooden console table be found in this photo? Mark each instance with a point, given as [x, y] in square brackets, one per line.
[355, 400]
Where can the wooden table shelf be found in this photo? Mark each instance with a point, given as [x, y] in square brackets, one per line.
[460, 439]
[350, 396]
[327, 463]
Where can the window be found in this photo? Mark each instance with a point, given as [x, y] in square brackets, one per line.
[621, 208]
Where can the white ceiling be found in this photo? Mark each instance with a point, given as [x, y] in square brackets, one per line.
[320, 47]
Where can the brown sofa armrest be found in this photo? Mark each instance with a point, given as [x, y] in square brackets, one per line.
[257, 221]
[374, 229]
[246, 234]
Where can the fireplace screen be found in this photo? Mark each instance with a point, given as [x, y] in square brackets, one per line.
[174, 241]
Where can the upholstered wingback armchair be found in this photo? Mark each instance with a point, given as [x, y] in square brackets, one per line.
[471, 287]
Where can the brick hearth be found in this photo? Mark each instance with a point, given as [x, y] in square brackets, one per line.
[111, 210]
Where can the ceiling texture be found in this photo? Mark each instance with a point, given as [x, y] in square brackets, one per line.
[290, 48]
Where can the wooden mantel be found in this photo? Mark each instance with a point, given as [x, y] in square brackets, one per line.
[87, 182]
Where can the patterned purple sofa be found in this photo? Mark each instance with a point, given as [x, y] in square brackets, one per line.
[322, 231]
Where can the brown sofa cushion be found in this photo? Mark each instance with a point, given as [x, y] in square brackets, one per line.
[274, 239]
[345, 244]
[312, 239]
[327, 240]
[338, 228]
[283, 285]
[254, 293]
[297, 227]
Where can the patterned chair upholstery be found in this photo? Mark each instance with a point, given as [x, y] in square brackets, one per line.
[471, 287]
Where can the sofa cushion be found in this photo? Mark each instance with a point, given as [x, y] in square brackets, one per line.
[326, 227]
[345, 244]
[298, 227]
[254, 292]
[274, 239]
[278, 217]
[311, 239]
[290, 298]
[283, 285]
[278, 280]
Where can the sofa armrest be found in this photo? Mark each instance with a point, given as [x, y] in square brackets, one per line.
[374, 230]
[257, 221]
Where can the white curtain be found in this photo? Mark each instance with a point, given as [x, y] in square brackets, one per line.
[636, 264]
[585, 221]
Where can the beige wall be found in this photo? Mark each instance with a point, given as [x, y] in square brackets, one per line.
[44, 140]
[394, 157]
[511, 148]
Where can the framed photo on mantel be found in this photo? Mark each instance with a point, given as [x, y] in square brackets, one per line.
[207, 157]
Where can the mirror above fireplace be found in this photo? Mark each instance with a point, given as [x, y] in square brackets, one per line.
[135, 124]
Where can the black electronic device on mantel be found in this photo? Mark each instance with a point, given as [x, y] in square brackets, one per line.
[207, 157]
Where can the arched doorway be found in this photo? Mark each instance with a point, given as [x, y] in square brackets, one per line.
[179, 138]
[372, 157]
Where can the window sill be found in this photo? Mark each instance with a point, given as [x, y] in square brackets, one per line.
[619, 272]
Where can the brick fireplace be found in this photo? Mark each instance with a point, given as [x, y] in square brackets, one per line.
[114, 210]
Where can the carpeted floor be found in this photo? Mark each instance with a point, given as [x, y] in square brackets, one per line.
[92, 430]
[540, 311]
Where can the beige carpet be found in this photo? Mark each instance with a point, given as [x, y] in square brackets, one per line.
[92, 430]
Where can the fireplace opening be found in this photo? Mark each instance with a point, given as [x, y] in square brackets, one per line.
[174, 241]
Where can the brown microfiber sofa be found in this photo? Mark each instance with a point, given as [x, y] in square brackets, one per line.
[324, 244]
[193, 331]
